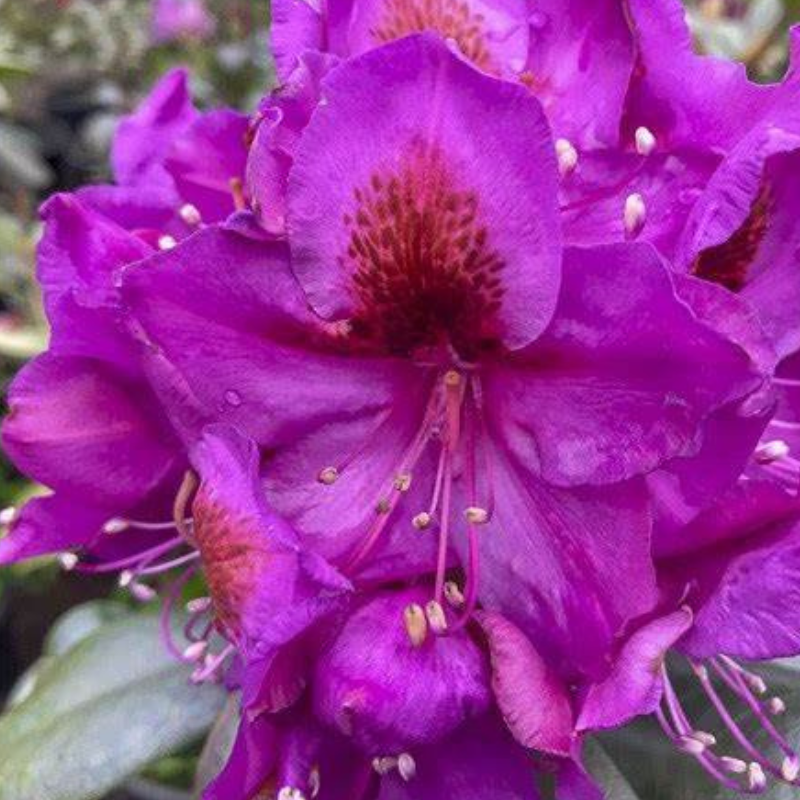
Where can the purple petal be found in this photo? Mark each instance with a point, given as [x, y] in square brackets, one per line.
[633, 686]
[77, 426]
[479, 761]
[531, 697]
[144, 137]
[265, 591]
[614, 396]
[568, 567]
[581, 57]
[390, 695]
[413, 116]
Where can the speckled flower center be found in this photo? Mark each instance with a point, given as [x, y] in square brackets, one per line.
[729, 263]
[423, 269]
[449, 18]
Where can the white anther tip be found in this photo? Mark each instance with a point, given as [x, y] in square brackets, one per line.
[142, 592]
[634, 214]
[166, 242]
[328, 476]
[756, 779]
[776, 706]
[790, 769]
[645, 141]
[198, 605]
[125, 578]
[772, 451]
[8, 515]
[406, 766]
[68, 561]
[190, 214]
[115, 525]
[567, 156]
[195, 651]
[734, 765]
[707, 739]
[691, 745]
[476, 516]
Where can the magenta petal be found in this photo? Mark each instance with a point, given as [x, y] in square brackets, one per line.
[581, 58]
[374, 685]
[297, 27]
[77, 426]
[265, 591]
[531, 697]
[743, 575]
[144, 137]
[51, 525]
[250, 764]
[614, 396]
[480, 761]
[634, 685]
[410, 115]
[683, 98]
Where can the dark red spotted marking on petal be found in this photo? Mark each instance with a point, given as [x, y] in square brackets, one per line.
[729, 263]
[233, 560]
[451, 19]
[423, 267]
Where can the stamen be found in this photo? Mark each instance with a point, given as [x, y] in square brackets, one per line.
[567, 156]
[9, 515]
[314, 782]
[776, 706]
[476, 516]
[645, 141]
[115, 525]
[195, 651]
[790, 769]
[190, 214]
[142, 592]
[734, 765]
[185, 492]
[416, 624]
[199, 605]
[237, 192]
[384, 765]
[402, 483]
[328, 476]
[756, 779]
[771, 451]
[210, 670]
[634, 215]
[421, 520]
[453, 594]
[406, 766]
[166, 242]
[68, 561]
[290, 793]
[436, 617]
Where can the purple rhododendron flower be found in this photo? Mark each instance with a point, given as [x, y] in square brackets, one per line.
[480, 345]
[84, 421]
[181, 19]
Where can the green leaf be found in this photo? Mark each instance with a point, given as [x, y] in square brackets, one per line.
[606, 773]
[218, 746]
[99, 712]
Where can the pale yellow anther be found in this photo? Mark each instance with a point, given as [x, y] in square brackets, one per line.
[421, 520]
[452, 378]
[476, 516]
[402, 482]
[383, 506]
[416, 624]
[453, 594]
[436, 617]
[328, 476]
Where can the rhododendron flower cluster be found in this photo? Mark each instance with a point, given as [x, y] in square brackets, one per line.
[466, 374]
